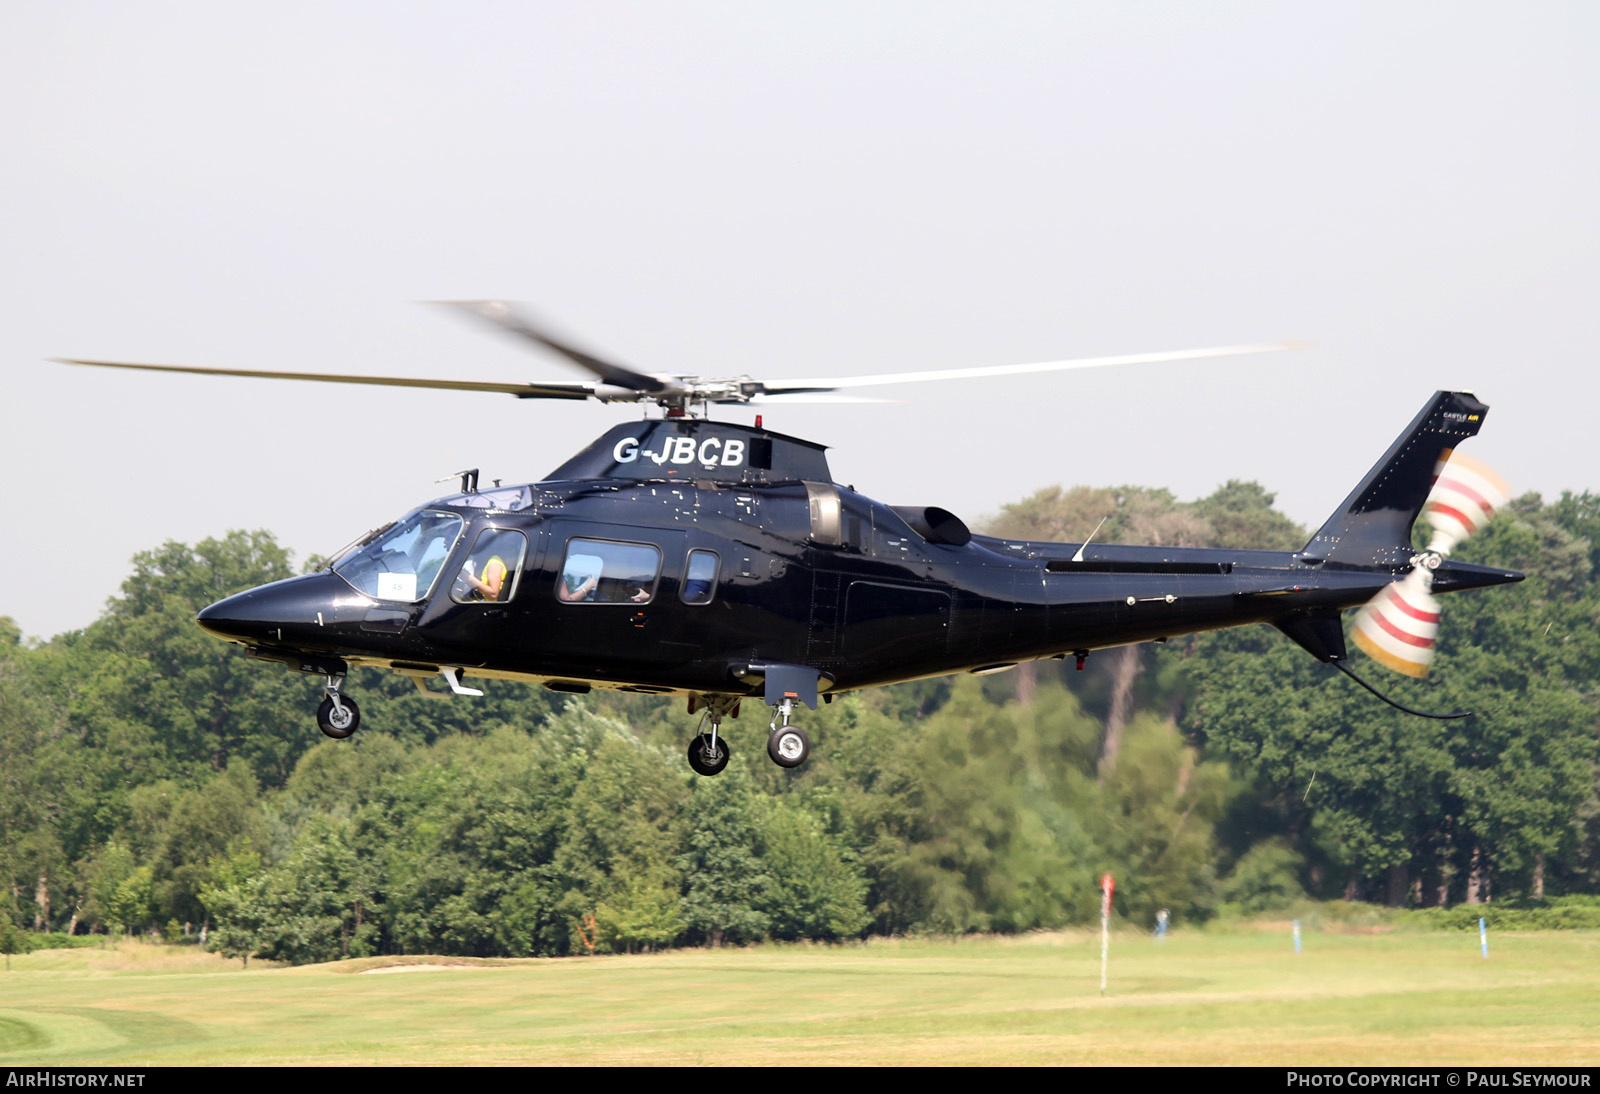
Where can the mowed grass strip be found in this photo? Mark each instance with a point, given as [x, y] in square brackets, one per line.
[1196, 998]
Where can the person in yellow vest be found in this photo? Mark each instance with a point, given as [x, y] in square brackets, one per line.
[491, 583]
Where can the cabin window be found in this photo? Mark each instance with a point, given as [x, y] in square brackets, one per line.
[600, 571]
[402, 563]
[489, 573]
[700, 577]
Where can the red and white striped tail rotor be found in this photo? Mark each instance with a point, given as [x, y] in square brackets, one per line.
[1465, 495]
[1399, 628]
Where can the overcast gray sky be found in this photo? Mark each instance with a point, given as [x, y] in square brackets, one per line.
[780, 189]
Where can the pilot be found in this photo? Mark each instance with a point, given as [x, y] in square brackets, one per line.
[491, 584]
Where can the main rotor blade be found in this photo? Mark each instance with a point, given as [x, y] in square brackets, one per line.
[510, 320]
[832, 383]
[559, 389]
[800, 398]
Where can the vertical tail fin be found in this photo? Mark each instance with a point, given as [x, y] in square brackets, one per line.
[1373, 526]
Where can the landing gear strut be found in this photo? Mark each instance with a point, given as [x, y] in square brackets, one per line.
[785, 688]
[787, 745]
[338, 716]
[708, 752]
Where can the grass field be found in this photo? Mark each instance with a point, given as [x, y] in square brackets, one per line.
[1196, 998]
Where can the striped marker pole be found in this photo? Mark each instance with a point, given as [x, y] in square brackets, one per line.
[1107, 886]
[1297, 936]
[1483, 939]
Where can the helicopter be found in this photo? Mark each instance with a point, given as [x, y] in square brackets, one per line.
[721, 563]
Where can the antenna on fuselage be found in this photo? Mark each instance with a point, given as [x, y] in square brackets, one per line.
[1078, 557]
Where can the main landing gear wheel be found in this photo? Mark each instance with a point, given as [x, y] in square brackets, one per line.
[340, 721]
[788, 746]
[706, 759]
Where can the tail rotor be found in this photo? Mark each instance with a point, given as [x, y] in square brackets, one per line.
[1399, 628]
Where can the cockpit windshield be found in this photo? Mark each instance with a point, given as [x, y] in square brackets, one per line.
[402, 562]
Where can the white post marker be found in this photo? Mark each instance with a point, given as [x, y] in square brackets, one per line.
[1483, 938]
[1297, 936]
[1106, 888]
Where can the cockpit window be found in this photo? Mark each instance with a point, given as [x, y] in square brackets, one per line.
[356, 544]
[402, 563]
[489, 573]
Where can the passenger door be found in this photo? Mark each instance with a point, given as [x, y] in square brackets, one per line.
[612, 596]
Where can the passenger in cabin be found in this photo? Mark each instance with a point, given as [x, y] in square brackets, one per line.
[579, 578]
[599, 571]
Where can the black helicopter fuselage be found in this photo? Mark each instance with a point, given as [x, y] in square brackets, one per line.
[691, 557]
[721, 561]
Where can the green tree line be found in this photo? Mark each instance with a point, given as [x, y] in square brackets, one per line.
[152, 778]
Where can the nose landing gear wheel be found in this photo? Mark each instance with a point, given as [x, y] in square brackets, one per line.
[705, 759]
[788, 746]
[338, 723]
